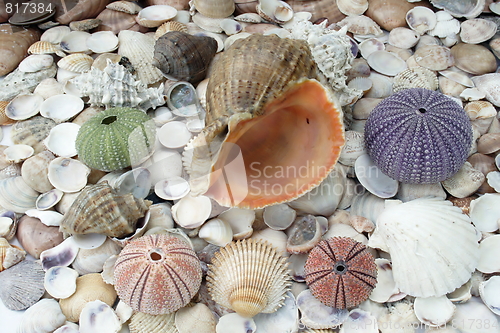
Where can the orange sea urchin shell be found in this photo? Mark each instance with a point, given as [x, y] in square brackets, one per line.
[157, 274]
[340, 272]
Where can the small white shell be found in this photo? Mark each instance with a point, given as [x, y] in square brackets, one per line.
[155, 15]
[67, 174]
[102, 42]
[55, 35]
[490, 294]
[48, 199]
[191, 212]
[370, 45]
[24, 106]
[434, 311]
[35, 63]
[47, 217]
[403, 38]
[240, 220]
[61, 107]
[18, 153]
[173, 188]
[370, 176]
[317, 315]
[446, 25]
[198, 318]
[77, 62]
[216, 231]
[43, 316]
[174, 134]
[421, 19]
[489, 261]
[97, 316]
[60, 281]
[75, 42]
[386, 63]
[485, 212]
[60, 255]
[61, 139]
[279, 217]
[455, 74]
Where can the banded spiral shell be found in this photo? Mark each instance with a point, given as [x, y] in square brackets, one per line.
[183, 56]
[98, 209]
[249, 277]
[418, 136]
[157, 274]
[115, 139]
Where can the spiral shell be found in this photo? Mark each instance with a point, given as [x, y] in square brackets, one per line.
[249, 277]
[98, 209]
[157, 274]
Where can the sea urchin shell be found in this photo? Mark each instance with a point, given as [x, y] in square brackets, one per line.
[340, 272]
[157, 274]
[115, 139]
[418, 136]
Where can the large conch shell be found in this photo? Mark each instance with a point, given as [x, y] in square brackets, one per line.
[268, 119]
[14, 44]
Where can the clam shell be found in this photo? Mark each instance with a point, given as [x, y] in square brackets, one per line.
[474, 59]
[386, 63]
[215, 8]
[60, 281]
[115, 21]
[23, 106]
[77, 62]
[32, 132]
[258, 285]
[34, 171]
[434, 311]
[61, 139]
[43, 316]
[489, 84]
[61, 107]
[457, 256]
[75, 42]
[170, 54]
[139, 49]
[361, 25]
[103, 41]
[92, 260]
[55, 35]
[476, 31]
[403, 38]
[421, 19]
[434, 57]
[98, 209]
[317, 315]
[19, 294]
[16, 195]
[67, 175]
[464, 8]
[89, 287]
[97, 315]
[304, 234]
[36, 62]
[156, 15]
[18, 153]
[48, 199]
[156, 293]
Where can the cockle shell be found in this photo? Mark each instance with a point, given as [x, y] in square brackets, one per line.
[115, 86]
[157, 274]
[125, 137]
[32, 132]
[449, 247]
[139, 49]
[44, 47]
[77, 62]
[14, 42]
[240, 97]
[249, 277]
[184, 57]
[20, 293]
[97, 209]
[170, 26]
[416, 77]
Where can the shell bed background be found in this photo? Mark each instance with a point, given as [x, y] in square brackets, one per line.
[395, 247]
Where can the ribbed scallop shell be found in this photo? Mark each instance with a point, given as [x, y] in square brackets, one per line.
[115, 86]
[98, 209]
[128, 7]
[45, 47]
[170, 26]
[139, 49]
[32, 132]
[77, 62]
[428, 239]
[157, 274]
[115, 139]
[249, 277]
[21, 285]
[183, 56]
[146, 323]
[415, 77]
[418, 136]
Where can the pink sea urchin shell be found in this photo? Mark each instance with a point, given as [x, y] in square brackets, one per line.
[157, 274]
[340, 272]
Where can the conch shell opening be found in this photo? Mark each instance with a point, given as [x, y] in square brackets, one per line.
[279, 155]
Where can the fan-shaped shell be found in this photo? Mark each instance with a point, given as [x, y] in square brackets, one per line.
[418, 136]
[157, 274]
[77, 62]
[249, 277]
[183, 56]
[97, 209]
[16, 195]
[19, 293]
[170, 26]
[116, 138]
[415, 77]
[427, 238]
[145, 323]
[32, 132]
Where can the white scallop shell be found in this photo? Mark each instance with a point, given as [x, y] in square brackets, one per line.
[60, 281]
[61, 107]
[54, 35]
[75, 42]
[446, 25]
[427, 239]
[44, 316]
[191, 212]
[35, 63]
[434, 311]
[102, 42]
[76, 62]
[67, 174]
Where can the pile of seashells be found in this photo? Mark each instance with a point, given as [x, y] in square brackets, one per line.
[202, 166]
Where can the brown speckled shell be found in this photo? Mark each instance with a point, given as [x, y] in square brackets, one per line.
[157, 274]
[97, 209]
[183, 56]
[14, 43]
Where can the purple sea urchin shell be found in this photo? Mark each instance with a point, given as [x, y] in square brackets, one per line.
[418, 136]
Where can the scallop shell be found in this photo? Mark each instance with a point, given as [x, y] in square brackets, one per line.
[140, 278]
[18, 81]
[115, 86]
[416, 77]
[77, 62]
[236, 91]
[139, 49]
[44, 316]
[16, 195]
[145, 323]
[32, 132]
[170, 26]
[19, 294]
[249, 277]
[424, 226]
[14, 42]
[184, 57]
[97, 209]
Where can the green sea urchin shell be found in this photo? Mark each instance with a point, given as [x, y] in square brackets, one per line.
[115, 139]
